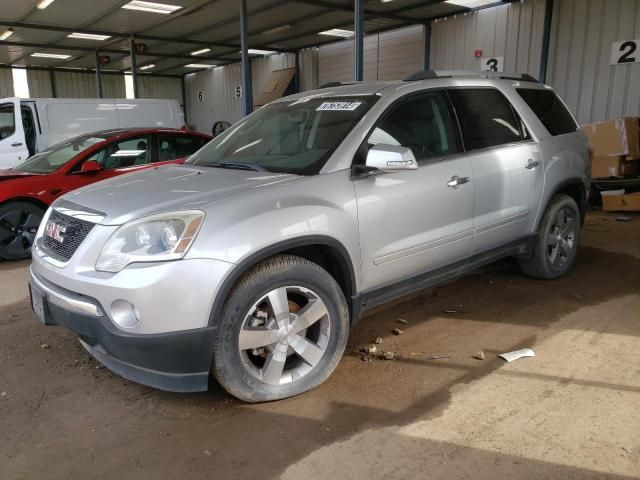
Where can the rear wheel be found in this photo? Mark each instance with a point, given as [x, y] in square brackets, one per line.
[283, 330]
[557, 245]
[19, 223]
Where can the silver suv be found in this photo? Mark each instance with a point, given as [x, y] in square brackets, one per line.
[250, 263]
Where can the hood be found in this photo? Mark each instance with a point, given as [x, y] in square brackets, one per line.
[9, 174]
[173, 187]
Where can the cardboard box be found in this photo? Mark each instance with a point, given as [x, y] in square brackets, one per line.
[625, 203]
[605, 167]
[614, 137]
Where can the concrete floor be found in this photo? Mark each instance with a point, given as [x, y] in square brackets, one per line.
[573, 411]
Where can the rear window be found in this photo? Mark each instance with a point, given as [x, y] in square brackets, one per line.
[486, 118]
[550, 110]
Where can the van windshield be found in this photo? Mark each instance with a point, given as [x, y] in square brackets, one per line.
[296, 136]
[58, 155]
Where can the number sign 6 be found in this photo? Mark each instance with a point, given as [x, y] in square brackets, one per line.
[625, 52]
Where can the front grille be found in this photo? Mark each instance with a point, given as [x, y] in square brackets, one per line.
[75, 231]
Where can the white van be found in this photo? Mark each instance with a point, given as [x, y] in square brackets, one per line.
[29, 126]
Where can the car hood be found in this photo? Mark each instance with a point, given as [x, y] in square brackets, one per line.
[172, 187]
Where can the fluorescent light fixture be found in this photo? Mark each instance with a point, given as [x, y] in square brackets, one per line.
[128, 86]
[201, 51]
[273, 30]
[199, 65]
[337, 32]
[89, 36]
[6, 34]
[147, 67]
[51, 55]
[151, 7]
[44, 4]
[256, 51]
[471, 3]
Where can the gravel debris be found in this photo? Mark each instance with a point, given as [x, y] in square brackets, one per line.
[397, 331]
[402, 321]
[378, 341]
[44, 346]
[388, 356]
[439, 356]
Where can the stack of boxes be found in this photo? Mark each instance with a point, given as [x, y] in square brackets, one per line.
[616, 153]
[616, 147]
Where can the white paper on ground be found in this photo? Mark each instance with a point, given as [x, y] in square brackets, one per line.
[515, 355]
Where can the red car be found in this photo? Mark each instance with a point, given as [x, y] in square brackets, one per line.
[28, 189]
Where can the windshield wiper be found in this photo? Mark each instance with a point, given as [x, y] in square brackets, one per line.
[238, 166]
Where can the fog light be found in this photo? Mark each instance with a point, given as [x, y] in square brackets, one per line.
[124, 314]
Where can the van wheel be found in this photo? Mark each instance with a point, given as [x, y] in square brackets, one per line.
[557, 245]
[283, 330]
[19, 223]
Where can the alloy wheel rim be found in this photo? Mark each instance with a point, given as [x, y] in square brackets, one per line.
[18, 230]
[285, 335]
[561, 239]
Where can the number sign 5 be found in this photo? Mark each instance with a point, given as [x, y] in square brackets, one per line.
[625, 52]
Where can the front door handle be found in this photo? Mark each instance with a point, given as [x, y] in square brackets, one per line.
[531, 164]
[16, 144]
[456, 181]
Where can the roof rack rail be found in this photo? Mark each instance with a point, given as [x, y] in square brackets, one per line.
[431, 74]
[334, 84]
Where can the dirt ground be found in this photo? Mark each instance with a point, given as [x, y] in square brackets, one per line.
[571, 412]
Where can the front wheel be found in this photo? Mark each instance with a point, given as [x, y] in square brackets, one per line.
[19, 223]
[557, 244]
[283, 330]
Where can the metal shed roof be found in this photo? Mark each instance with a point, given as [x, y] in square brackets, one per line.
[170, 39]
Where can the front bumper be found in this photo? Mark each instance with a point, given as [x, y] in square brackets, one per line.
[175, 361]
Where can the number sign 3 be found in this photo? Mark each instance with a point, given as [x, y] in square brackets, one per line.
[625, 52]
[492, 64]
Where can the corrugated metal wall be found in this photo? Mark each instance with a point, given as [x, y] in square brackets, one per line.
[39, 84]
[579, 64]
[308, 62]
[400, 54]
[83, 85]
[160, 87]
[218, 86]
[6, 83]
[512, 31]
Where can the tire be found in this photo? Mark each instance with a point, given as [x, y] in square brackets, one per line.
[19, 223]
[265, 371]
[557, 246]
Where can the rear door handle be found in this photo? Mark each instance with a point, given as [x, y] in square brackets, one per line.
[531, 164]
[456, 181]
[17, 144]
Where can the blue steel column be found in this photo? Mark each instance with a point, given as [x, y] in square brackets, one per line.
[546, 40]
[134, 67]
[247, 93]
[359, 39]
[98, 75]
[427, 45]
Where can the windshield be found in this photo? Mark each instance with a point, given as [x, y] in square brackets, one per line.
[295, 136]
[58, 155]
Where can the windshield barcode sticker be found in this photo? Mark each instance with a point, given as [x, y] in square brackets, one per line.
[338, 106]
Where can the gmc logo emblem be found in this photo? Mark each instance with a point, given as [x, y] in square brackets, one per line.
[55, 231]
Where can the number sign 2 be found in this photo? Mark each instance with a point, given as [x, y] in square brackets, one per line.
[492, 64]
[625, 52]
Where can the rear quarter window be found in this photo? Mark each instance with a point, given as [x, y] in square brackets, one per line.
[486, 118]
[549, 109]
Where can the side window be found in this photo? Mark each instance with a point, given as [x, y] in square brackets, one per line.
[7, 120]
[173, 146]
[549, 109]
[486, 118]
[127, 153]
[421, 123]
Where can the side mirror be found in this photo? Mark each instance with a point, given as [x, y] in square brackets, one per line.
[90, 166]
[391, 158]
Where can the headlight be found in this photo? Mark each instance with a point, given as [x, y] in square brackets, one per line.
[156, 238]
